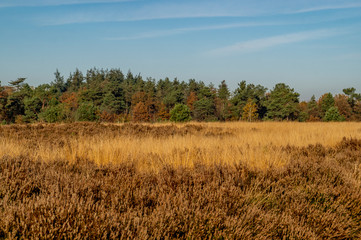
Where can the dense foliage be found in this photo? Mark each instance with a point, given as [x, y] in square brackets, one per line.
[111, 96]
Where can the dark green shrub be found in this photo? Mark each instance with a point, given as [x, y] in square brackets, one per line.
[87, 112]
[180, 113]
[55, 112]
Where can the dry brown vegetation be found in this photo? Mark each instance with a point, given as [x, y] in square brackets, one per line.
[150, 147]
[197, 180]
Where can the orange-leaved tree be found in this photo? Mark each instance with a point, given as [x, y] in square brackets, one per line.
[344, 108]
[191, 99]
[140, 113]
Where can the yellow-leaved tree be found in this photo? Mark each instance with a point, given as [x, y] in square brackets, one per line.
[250, 111]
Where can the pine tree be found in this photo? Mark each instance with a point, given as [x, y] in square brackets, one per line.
[313, 110]
[333, 114]
[282, 103]
[325, 102]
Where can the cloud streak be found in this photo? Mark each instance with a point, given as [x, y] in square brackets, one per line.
[158, 10]
[328, 7]
[171, 32]
[42, 3]
[269, 42]
[136, 10]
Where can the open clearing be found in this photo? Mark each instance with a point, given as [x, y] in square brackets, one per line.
[196, 180]
[152, 146]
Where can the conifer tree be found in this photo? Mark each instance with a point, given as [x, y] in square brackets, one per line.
[282, 103]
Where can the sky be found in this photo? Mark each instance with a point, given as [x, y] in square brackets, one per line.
[314, 46]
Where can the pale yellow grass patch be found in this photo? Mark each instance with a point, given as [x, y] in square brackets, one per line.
[256, 144]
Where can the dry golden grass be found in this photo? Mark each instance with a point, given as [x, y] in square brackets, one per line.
[166, 185]
[259, 145]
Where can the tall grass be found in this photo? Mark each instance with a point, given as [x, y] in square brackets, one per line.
[150, 147]
[184, 181]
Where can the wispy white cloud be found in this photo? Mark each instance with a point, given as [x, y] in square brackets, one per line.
[154, 10]
[264, 43]
[40, 3]
[328, 7]
[170, 32]
[166, 9]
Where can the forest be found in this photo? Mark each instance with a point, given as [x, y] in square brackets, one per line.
[104, 95]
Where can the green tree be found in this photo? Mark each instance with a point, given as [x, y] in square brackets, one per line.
[173, 96]
[326, 101]
[17, 83]
[75, 81]
[14, 107]
[15, 102]
[313, 110]
[353, 96]
[282, 103]
[204, 110]
[180, 113]
[112, 104]
[222, 102]
[44, 93]
[87, 112]
[223, 91]
[33, 107]
[243, 93]
[3, 102]
[332, 114]
[58, 85]
[354, 100]
[54, 112]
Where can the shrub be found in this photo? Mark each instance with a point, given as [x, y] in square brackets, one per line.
[180, 113]
[87, 112]
[52, 114]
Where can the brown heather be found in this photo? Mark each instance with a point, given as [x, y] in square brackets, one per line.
[186, 181]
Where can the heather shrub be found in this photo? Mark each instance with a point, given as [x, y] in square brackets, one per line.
[317, 195]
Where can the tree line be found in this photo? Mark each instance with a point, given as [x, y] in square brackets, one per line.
[110, 96]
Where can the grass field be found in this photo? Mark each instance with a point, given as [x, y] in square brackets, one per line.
[239, 180]
[152, 146]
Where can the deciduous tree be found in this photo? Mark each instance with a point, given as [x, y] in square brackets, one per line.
[140, 113]
[343, 106]
[250, 111]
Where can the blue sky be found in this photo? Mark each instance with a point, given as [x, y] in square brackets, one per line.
[312, 45]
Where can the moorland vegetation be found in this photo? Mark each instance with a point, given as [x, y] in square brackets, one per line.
[235, 180]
